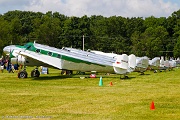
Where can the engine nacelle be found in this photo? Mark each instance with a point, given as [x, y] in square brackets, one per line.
[20, 60]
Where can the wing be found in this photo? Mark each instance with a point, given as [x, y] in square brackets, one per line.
[37, 59]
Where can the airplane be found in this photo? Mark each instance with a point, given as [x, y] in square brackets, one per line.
[142, 63]
[172, 64]
[167, 64]
[158, 63]
[154, 64]
[34, 54]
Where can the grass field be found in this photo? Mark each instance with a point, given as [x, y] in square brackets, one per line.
[68, 97]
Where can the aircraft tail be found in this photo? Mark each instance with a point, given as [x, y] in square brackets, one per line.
[162, 62]
[132, 61]
[121, 64]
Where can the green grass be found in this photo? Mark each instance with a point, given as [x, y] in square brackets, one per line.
[68, 97]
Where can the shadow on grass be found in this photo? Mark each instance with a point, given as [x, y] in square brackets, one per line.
[126, 78]
[62, 77]
[41, 78]
[144, 74]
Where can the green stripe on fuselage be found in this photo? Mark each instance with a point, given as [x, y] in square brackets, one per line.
[30, 46]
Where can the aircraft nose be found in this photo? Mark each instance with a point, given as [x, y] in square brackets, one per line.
[8, 49]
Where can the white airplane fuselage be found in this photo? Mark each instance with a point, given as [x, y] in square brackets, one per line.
[42, 55]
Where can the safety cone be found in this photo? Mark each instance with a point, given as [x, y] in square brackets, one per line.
[100, 82]
[152, 107]
[111, 84]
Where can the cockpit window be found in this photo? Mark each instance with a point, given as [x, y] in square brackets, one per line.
[28, 47]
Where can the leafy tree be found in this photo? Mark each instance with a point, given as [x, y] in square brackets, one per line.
[151, 42]
[48, 31]
[5, 34]
[150, 36]
[176, 50]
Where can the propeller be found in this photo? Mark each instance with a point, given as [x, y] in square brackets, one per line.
[11, 54]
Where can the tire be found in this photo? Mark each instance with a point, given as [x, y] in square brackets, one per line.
[63, 72]
[82, 73]
[69, 72]
[35, 73]
[22, 74]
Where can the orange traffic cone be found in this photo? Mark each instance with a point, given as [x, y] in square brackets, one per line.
[111, 84]
[152, 107]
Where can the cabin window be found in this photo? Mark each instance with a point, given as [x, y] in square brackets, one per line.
[58, 56]
[38, 50]
[49, 53]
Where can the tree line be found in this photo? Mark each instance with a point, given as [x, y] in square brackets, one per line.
[150, 36]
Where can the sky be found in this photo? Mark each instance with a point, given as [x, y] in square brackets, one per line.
[106, 8]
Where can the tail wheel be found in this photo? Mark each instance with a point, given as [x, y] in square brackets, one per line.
[35, 73]
[22, 74]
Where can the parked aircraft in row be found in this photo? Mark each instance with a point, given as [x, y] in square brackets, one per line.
[159, 64]
[34, 54]
[142, 63]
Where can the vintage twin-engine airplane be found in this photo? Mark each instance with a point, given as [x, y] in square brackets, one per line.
[34, 54]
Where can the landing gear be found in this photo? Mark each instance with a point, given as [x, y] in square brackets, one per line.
[142, 73]
[155, 71]
[125, 77]
[66, 72]
[22, 74]
[35, 73]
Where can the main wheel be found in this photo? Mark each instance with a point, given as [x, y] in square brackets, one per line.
[35, 73]
[22, 74]
[69, 72]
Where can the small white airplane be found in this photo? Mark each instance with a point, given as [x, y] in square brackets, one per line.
[154, 64]
[158, 63]
[34, 54]
[167, 64]
[172, 63]
[142, 63]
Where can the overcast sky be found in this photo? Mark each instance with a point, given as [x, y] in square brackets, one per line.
[125, 8]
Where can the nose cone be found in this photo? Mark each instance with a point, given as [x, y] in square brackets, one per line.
[8, 49]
